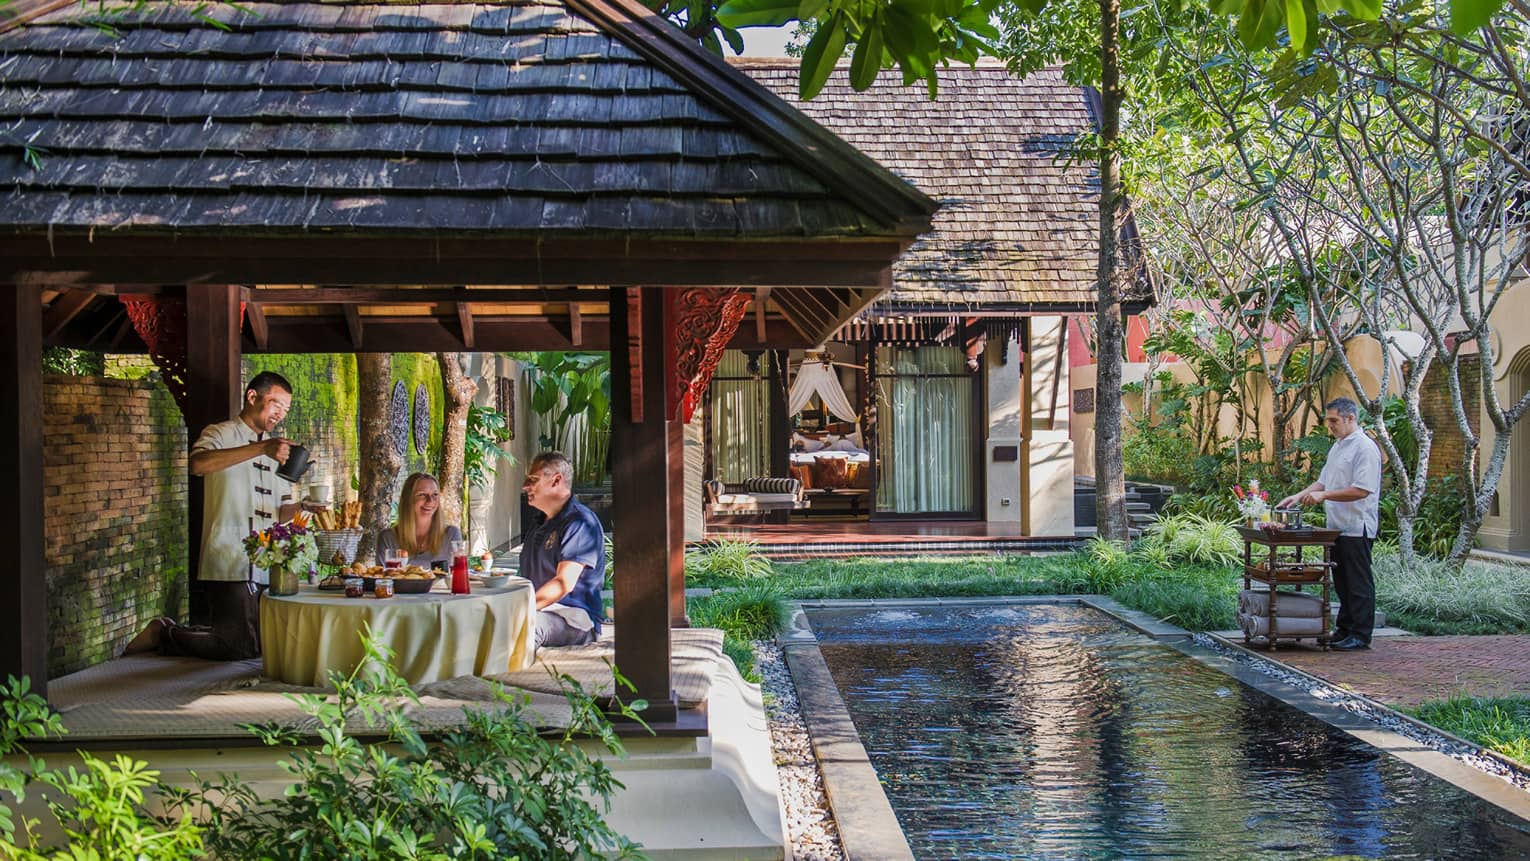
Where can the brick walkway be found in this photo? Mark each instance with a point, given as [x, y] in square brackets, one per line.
[1405, 671]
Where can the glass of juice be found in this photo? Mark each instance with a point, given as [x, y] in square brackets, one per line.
[459, 567]
[394, 559]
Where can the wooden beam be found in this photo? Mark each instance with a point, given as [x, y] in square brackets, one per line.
[575, 325]
[64, 309]
[353, 326]
[404, 296]
[258, 328]
[465, 323]
[429, 334]
[24, 612]
[124, 329]
[640, 476]
[71, 260]
[213, 384]
[796, 316]
[761, 304]
[121, 316]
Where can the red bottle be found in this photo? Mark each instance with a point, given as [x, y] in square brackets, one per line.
[459, 568]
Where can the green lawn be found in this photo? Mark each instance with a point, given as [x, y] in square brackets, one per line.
[1431, 598]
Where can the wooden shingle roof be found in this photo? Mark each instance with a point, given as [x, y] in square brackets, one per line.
[1018, 223]
[525, 118]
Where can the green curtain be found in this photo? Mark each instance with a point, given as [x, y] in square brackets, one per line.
[924, 431]
[740, 420]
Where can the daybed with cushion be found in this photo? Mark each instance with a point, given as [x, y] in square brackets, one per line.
[754, 496]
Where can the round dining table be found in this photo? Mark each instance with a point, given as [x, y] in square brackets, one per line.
[433, 636]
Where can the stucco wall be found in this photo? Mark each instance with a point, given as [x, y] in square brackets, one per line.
[1509, 529]
[1048, 451]
[1006, 400]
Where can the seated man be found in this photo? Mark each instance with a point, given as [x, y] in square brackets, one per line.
[563, 555]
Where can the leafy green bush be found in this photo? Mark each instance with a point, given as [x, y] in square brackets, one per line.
[1192, 604]
[1438, 519]
[751, 613]
[1105, 564]
[746, 614]
[726, 561]
[1161, 445]
[1498, 724]
[1191, 538]
[98, 809]
[1433, 597]
[490, 787]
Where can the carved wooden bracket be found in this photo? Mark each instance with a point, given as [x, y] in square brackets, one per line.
[701, 322]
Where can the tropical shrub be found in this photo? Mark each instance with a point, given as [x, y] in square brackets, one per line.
[98, 809]
[745, 614]
[490, 787]
[1438, 519]
[1192, 538]
[726, 561]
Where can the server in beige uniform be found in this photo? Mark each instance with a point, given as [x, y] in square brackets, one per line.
[237, 460]
[1349, 488]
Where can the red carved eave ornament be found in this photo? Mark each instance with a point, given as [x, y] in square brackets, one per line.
[160, 321]
[702, 322]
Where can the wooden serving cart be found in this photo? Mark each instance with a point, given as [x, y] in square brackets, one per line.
[1282, 563]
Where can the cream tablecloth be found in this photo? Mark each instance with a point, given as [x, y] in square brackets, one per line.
[434, 636]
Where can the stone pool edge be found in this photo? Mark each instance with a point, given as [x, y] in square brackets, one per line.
[868, 827]
[865, 817]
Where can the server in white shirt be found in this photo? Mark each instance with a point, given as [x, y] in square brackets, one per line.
[1349, 487]
[237, 461]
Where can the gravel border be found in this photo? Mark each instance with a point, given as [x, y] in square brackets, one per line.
[810, 827]
[1458, 749]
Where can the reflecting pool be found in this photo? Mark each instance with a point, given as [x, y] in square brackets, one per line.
[1053, 731]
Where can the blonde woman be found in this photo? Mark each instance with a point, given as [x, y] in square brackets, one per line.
[420, 531]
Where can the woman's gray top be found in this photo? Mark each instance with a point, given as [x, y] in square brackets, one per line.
[441, 557]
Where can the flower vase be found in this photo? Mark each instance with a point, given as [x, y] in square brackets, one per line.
[284, 581]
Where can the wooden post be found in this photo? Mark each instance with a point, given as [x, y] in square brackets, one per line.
[23, 619]
[640, 507]
[214, 387]
[674, 441]
[779, 430]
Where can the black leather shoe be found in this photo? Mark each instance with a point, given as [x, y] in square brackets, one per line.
[1349, 644]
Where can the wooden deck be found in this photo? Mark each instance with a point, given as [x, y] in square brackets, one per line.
[806, 537]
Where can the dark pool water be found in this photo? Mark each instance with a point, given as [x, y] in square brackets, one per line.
[1052, 731]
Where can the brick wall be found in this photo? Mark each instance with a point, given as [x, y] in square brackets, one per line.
[1435, 405]
[114, 512]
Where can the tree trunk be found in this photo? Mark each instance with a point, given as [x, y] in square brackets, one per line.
[380, 460]
[1110, 471]
[459, 390]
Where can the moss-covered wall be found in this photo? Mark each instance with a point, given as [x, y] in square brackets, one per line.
[114, 473]
[413, 369]
[324, 411]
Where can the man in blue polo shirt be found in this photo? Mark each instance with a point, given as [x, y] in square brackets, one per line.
[563, 555]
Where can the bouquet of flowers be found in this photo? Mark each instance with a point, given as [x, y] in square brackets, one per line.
[284, 546]
[1253, 503]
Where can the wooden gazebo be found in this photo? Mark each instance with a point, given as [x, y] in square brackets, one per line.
[345, 176]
